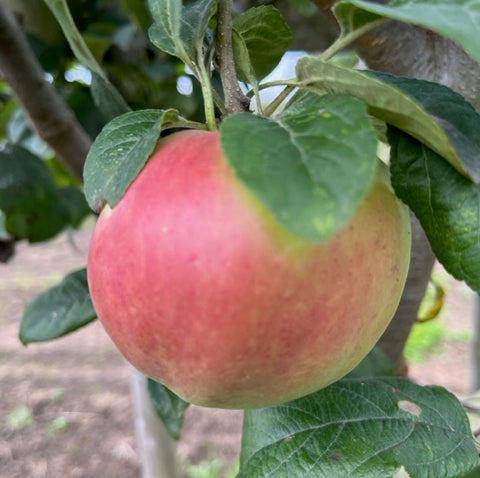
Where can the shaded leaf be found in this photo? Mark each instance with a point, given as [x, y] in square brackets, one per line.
[311, 166]
[4, 235]
[33, 205]
[195, 17]
[243, 65]
[445, 202]
[362, 428]
[108, 100]
[474, 473]
[73, 202]
[376, 364]
[59, 310]
[304, 7]
[165, 33]
[457, 118]
[169, 407]
[179, 30]
[81, 51]
[119, 153]
[266, 36]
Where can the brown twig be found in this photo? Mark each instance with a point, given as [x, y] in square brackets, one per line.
[235, 100]
[52, 119]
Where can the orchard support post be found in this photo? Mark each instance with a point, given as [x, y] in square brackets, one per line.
[155, 447]
[475, 349]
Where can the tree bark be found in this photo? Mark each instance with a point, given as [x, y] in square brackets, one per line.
[422, 260]
[52, 119]
[410, 51]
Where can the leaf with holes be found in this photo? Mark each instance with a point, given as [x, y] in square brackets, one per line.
[362, 428]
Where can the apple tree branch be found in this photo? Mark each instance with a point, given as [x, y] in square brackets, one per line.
[52, 119]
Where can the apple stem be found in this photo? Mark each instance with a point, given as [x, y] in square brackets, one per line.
[235, 100]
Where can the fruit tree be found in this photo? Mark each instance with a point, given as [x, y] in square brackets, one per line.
[255, 231]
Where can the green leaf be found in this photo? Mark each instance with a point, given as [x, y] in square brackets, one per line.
[119, 153]
[458, 20]
[243, 65]
[165, 33]
[108, 100]
[61, 174]
[304, 7]
[362, 428]
[474, 473]
[4, 235]
[445, 202]
[59, 310]
[457, 118]
[375, 364]
[311, 166]
[267, 37]
[81, 51]
[169, 407]
[73, 202]
[138, 10]
[432, 113]
[60, 10]
[195, 17]
[179, 31]
[35, 208]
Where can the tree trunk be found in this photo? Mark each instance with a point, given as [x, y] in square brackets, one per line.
[421, 263]
[51, 117]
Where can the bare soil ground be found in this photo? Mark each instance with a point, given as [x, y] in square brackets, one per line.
[65, 407]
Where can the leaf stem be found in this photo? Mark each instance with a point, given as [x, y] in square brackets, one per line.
[269, 84]
[235, 100]
[184, 123]
[205, 83]
[270, 109]
[256, 92]
[344, 40]
[218, 101]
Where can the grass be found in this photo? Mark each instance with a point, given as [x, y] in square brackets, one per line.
[211, 468]
[20, 418]
[427, 338]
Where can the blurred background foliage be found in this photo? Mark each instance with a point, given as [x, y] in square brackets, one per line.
[39, 197]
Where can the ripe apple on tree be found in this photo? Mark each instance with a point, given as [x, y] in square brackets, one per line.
[203, 290]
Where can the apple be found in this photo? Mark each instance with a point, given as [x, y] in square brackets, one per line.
[204, 291]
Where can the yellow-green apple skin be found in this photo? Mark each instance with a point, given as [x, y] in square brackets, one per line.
[202, 290]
